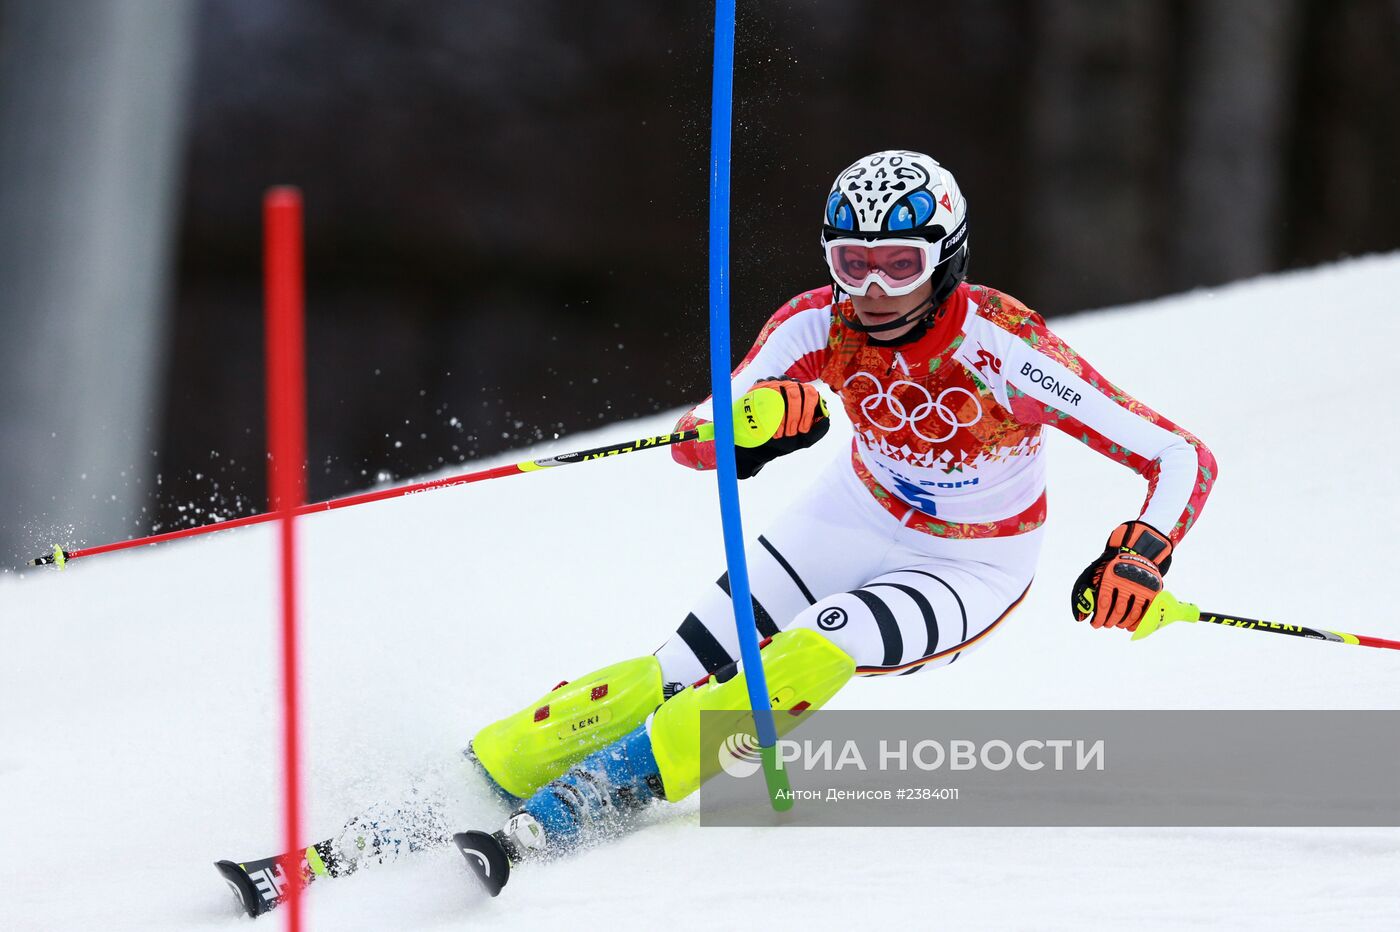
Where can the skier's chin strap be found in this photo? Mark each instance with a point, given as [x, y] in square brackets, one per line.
[922, 317]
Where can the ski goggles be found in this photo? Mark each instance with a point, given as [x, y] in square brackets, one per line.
[899, 264]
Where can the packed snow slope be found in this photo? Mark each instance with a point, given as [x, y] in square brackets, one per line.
[139, 700]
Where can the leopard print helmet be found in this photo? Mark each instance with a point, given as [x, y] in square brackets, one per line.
[901, 194]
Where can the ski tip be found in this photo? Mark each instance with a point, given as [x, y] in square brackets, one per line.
[485, 858]
[242, 886]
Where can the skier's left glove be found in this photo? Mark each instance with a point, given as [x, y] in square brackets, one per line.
[1115, 590]
[774, 418]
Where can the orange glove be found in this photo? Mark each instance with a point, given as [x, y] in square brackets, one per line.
[802, 422]
[803, 406]
[1115, 590]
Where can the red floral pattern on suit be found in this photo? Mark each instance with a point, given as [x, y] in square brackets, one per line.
[948, 427]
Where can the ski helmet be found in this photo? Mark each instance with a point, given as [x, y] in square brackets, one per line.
[892, 199]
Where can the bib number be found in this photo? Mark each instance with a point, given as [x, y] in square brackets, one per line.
[915, 495]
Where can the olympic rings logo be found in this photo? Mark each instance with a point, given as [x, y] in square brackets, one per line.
[891, 407]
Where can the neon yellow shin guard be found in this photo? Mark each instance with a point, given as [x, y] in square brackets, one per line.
[524, 751]
[804, 670]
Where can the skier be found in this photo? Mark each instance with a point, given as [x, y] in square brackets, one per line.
[901, 557]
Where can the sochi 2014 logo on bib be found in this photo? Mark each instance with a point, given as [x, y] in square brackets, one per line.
[908, 404]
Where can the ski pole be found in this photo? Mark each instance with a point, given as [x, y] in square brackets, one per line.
[1166, 608]
[704, 432]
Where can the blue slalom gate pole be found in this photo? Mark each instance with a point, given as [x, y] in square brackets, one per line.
[726, 472]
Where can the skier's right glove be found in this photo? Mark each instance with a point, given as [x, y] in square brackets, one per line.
[776, 417]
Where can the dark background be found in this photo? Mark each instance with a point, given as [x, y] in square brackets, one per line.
[506, 202]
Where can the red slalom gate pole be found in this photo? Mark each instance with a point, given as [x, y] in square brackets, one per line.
[285, 353]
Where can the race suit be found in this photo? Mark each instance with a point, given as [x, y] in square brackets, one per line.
[920, 543]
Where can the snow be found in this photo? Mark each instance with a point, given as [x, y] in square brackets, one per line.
[139, 738]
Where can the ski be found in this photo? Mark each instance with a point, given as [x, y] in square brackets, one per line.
[261, 885]
[486, 857]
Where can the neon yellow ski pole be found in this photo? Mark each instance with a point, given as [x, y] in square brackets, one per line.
[1166, 608]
